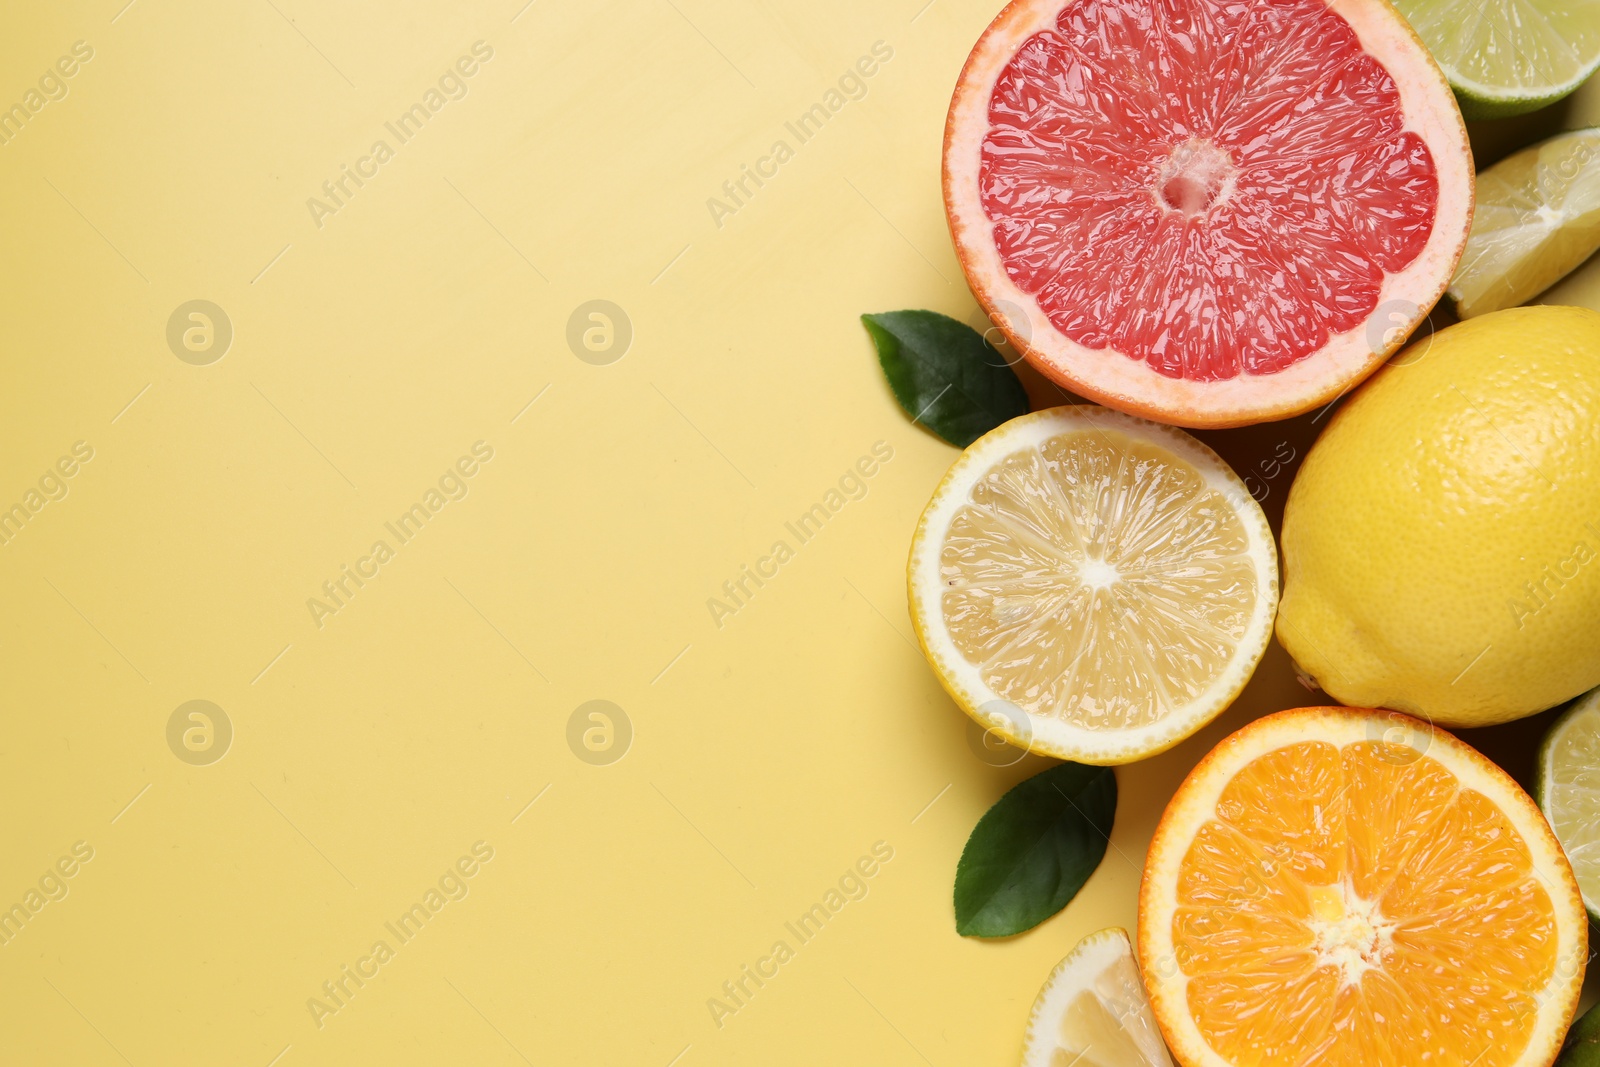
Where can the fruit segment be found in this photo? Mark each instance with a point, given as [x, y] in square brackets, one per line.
[1507, 57]
[1092, 1011]
[1208, 186]
[1537, 218]
[1569, 791]
[1097, 579]
[1361, 905]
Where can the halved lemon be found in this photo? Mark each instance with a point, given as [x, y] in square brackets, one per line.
[1092, 1011]
[1353, 888]
[1092, 586]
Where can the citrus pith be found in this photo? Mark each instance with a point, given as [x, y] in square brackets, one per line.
[1508, 57]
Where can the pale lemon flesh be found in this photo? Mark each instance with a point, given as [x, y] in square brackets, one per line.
[1097, 578]
[1091, 585]
[1092, 1011]
[1537, 218]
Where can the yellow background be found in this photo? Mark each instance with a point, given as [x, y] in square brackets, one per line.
[369, 353]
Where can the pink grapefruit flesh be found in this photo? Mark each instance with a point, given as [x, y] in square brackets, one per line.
[1207, 212]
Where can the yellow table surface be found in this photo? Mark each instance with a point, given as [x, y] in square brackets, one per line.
[391, 736]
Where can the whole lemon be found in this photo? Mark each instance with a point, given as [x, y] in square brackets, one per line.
[1441, 544]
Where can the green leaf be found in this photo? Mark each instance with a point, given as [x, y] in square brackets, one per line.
[945, 375]
[1583, 1042]
[1031, 853]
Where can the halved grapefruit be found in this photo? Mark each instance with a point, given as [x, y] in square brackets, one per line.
[1342, 887]
[1206, 212]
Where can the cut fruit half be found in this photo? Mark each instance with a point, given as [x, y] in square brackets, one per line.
[1205, 212]
[1092, 1011]
[1568, 788]
[1508, 57]
[1092, 586]
[1538, 217]
[1341, 887]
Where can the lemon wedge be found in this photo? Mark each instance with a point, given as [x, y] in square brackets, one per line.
[1537, 218]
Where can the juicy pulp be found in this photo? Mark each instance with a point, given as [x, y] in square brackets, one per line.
[1212, 187]
[1097, 579]
[1360, 905]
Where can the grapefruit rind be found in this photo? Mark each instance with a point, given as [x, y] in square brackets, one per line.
[1051, 736]
[1129, 385]
[1195, 803]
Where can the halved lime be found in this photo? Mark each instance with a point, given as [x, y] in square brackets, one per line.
[1537, 218]
[1568, 789]
[1507, 57]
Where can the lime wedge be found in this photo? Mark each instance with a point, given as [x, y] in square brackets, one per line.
[1568, 789]
[1507, 57]
[1537, 217]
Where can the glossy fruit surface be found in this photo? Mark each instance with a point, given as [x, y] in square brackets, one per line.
[1440, 540]
[1205, 212]
[1348, 888]
[1567, 785]
[1092, 1011]
[1537, 218]
[1509, 57]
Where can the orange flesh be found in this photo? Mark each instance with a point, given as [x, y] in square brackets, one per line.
[1360, 907]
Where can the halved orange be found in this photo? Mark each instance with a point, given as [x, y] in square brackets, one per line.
[1349, 888]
